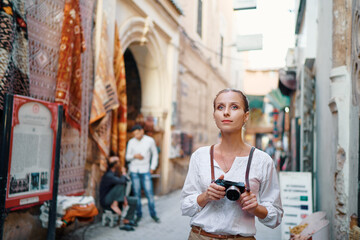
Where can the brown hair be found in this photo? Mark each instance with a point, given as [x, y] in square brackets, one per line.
[242, 95]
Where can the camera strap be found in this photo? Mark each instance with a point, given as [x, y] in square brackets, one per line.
[247, 167]
[212, 163]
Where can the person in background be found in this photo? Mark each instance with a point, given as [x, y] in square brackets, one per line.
[142, 155]
[270, 149]
[214, 216]
[113, 193]
[278, 155]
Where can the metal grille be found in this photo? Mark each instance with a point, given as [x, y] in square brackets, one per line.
[306, 101]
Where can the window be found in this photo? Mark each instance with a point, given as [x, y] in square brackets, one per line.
[199, 18]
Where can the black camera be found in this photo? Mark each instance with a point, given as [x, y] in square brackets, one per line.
[232, 189]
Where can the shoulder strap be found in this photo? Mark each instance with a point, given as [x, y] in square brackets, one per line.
[212, 163]
[248, 169]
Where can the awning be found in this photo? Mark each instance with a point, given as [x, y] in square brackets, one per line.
[277, 99]
[287, 81]
[255, 101]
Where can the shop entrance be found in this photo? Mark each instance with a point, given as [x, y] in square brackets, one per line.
[133, 89]
[133, 58]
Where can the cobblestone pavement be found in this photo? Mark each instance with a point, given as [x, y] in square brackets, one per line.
[173, 225]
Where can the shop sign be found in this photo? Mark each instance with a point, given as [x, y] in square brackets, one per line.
[296, 198]
[244, 4]
[249, 42]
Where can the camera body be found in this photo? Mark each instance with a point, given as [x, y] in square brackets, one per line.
[233, 189]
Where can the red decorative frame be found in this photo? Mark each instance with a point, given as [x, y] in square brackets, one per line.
[14, 202]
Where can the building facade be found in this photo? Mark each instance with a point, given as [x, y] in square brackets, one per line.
[327, 107]
[204, 66]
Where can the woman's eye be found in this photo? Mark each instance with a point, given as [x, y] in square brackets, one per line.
[220, 107]
[234, 107]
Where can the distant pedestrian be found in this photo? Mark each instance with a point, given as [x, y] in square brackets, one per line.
[212, 215]
[113, 193]
[279, 156]
[270, 149]
[142, 155]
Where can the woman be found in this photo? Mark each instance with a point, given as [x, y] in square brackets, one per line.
[212, 214]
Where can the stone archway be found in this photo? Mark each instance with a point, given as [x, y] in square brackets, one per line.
[139, 35]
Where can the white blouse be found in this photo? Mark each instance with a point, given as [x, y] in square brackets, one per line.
[225, 216]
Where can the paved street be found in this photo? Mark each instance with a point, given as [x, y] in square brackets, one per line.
[173, 226]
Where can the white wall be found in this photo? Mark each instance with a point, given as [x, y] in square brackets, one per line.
[326, 124]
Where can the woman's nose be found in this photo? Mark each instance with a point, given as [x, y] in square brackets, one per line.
[227, 111]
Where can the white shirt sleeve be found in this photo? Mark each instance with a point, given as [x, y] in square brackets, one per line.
[129, 151]
[154, 154]
[269, 196]
[191, 190]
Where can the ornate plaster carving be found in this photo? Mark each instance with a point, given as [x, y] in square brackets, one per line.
[341, 214]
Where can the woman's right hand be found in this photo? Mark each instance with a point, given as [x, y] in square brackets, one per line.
[215, 192]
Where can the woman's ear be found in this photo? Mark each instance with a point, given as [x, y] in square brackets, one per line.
[246, 117]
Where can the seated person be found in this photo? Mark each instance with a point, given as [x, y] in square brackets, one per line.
[113, 193]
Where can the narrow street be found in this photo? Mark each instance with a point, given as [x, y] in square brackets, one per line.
[92, 88]
[173, 225]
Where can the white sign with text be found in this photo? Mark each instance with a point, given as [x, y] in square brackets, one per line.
[296, 198]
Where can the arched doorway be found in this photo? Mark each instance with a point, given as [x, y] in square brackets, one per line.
[138, 70]
[140, 37]
[133, 88]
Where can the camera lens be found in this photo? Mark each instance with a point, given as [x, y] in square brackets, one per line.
[233, 193]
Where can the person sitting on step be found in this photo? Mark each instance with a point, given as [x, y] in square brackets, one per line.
[113, 193]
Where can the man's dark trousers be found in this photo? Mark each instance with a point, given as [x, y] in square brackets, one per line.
[117, 193]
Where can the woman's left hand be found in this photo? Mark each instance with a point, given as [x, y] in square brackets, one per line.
[248, 202]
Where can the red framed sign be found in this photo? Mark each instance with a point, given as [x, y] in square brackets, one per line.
[32, 151]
